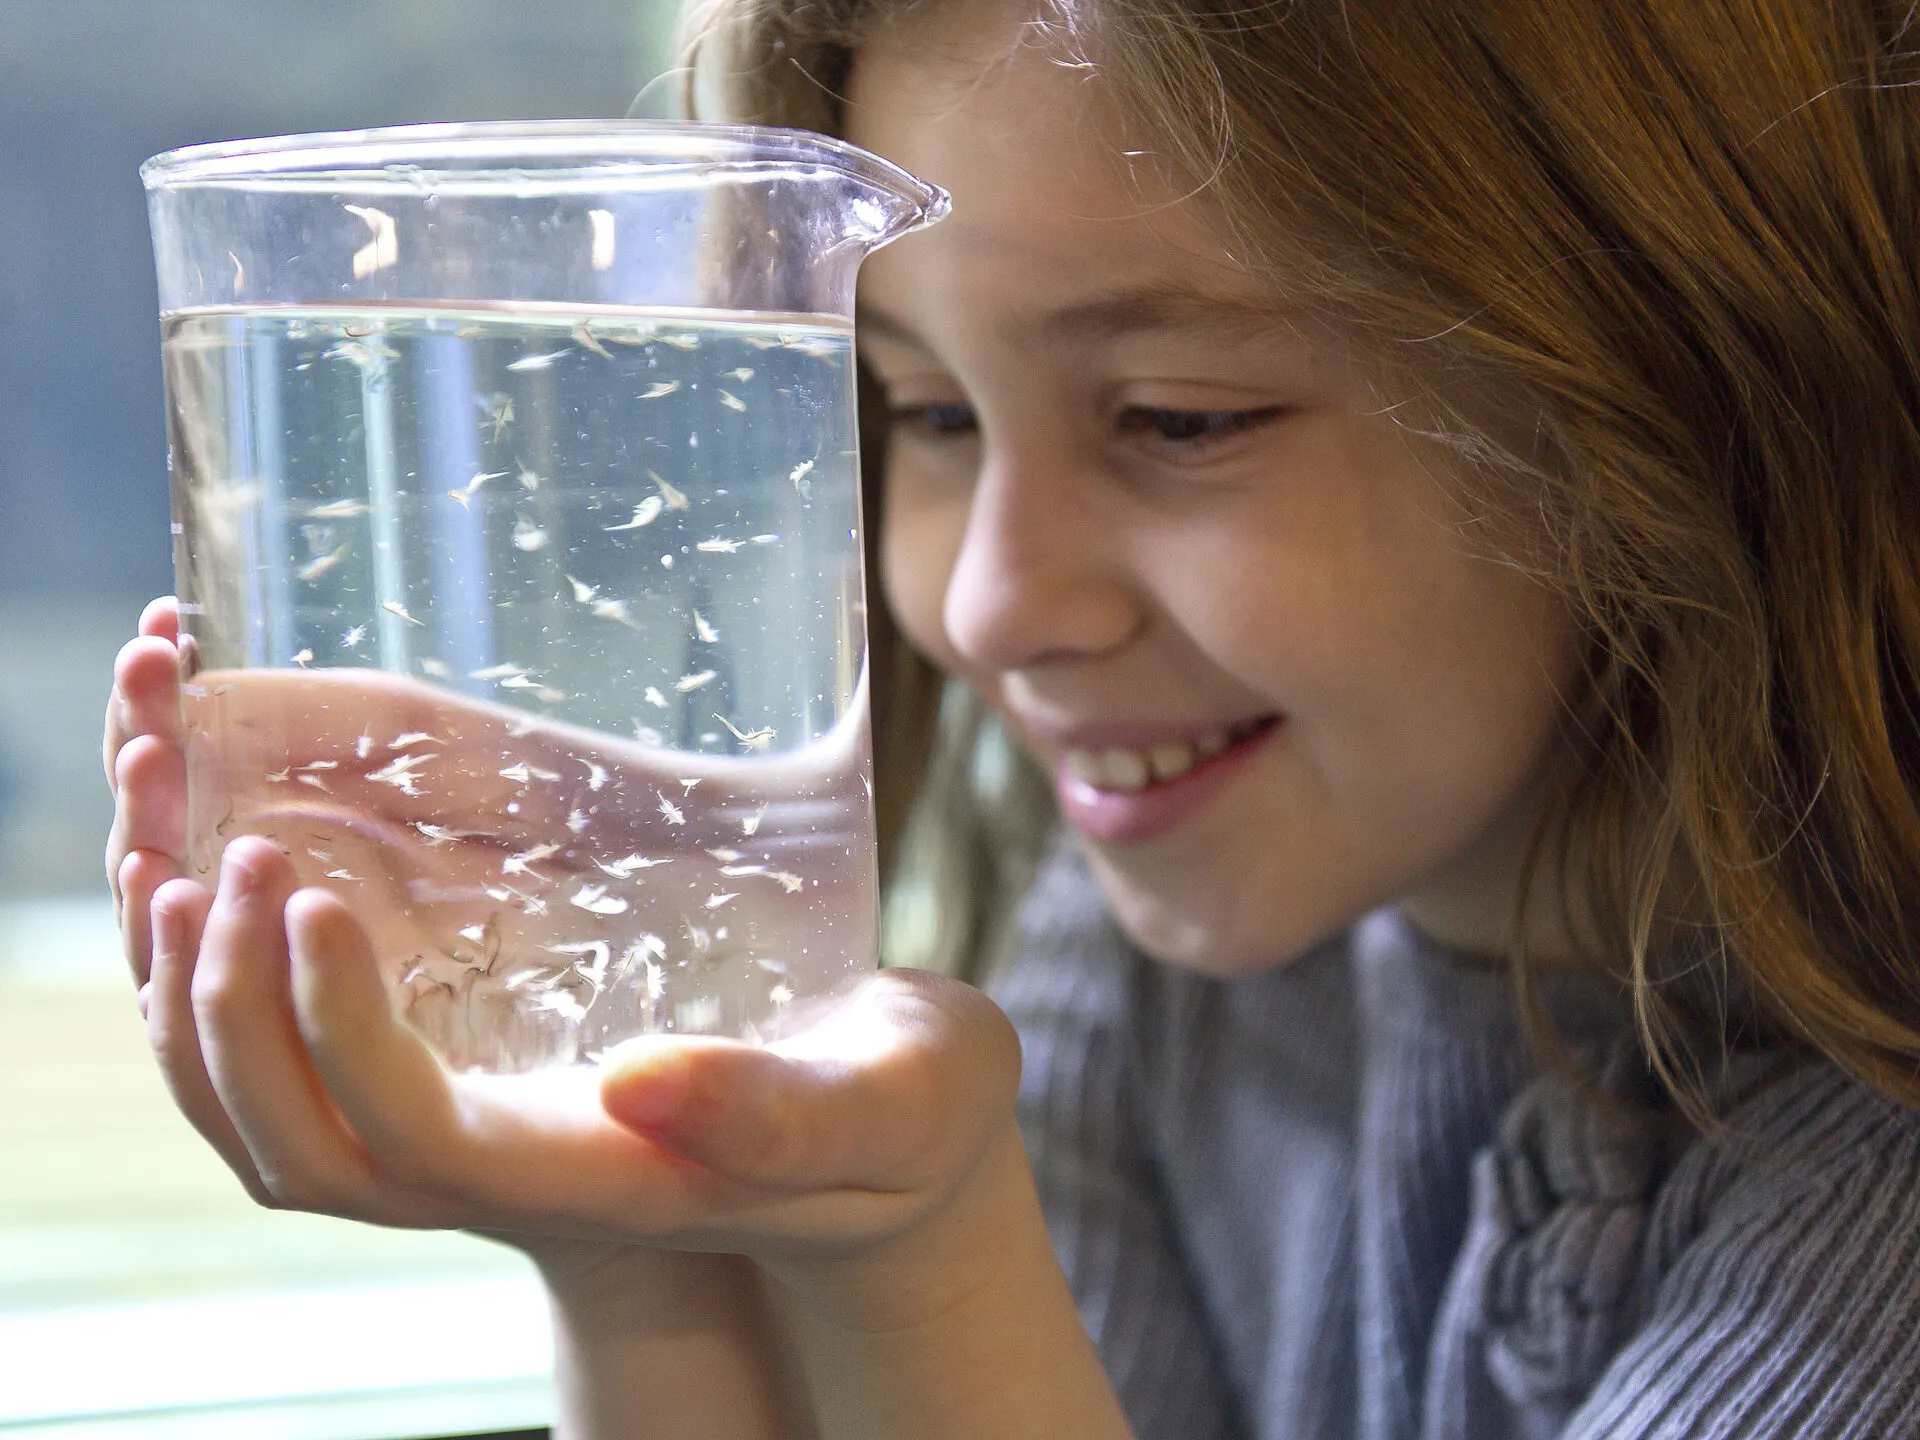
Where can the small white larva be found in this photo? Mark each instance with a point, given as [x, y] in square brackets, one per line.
[319, 566]
[362, 354]
[669, 496]
[399, 773]
[645, 513]
[583, 336]
[595, 901]
[753, 739]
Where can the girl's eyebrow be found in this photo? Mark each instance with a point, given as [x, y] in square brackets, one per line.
[1121, 313]
[1165, 308]
[868, 322]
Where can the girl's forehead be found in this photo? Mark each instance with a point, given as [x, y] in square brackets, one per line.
[1025, 145]
[1060, 219]
[985, 79]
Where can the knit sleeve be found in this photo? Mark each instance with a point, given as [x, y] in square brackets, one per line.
[1787, 1304]
[1067, 993]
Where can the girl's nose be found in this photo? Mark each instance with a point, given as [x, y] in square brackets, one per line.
[1040, 575]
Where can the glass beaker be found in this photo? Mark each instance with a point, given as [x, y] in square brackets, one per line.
[517, 536]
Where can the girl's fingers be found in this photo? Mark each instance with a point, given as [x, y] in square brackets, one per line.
[895, 1090]
[140, 876]
[365, 1056]
[162, 618]
[305, 1156]
[149, 814]
[178, 921]
[526, 1151]
[150, 782]
[146, 696]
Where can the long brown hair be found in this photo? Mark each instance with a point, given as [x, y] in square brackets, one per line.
[1683, 235]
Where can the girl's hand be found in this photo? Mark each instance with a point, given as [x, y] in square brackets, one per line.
[864, 1162]
[275, 1031]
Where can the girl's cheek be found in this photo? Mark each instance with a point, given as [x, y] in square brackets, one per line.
[916, 560]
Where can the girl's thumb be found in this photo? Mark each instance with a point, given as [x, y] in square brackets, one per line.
[898, 1088]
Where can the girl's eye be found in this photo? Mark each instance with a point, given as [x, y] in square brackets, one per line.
[1193, 427]
[952, 418]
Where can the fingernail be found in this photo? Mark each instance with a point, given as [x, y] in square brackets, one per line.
[164, 929]
[234, 872]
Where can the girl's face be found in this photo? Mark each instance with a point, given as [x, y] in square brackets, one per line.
[1171, 535]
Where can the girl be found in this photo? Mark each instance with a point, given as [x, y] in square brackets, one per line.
[1436, 485]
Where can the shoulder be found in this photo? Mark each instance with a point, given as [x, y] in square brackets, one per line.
[1806, 1145]
[1781, 1275]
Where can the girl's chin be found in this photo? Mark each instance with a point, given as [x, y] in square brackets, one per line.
[1204, 926]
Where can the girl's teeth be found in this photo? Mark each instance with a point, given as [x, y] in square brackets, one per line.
[1172, 759]
[1125, 769]
[1116, 768]
[1085, 767]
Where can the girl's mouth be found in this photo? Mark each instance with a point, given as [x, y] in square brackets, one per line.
[1118, 795]
[1116, 768]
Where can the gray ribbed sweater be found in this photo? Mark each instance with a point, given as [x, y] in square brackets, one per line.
[1338, 1202]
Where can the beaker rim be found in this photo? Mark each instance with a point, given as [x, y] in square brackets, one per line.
[453, 155]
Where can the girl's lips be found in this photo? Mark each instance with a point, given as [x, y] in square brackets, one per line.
[1113, 815]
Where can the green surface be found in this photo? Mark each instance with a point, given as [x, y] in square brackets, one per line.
[115, 1216]
[107, 1193]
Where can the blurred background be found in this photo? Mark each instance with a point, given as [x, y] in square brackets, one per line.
[140, 1294]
